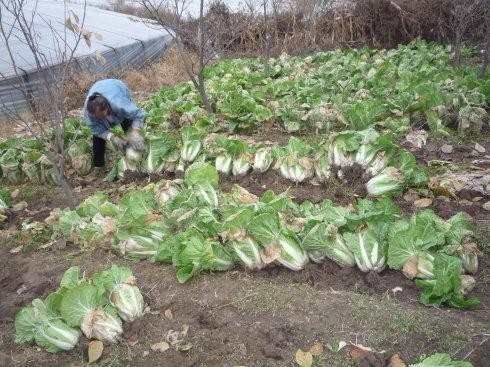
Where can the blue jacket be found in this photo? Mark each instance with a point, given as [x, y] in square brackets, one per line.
[122, 105]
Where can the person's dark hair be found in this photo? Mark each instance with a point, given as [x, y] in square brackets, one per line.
[96, 103]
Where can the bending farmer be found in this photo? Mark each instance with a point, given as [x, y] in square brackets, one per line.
[108, 104]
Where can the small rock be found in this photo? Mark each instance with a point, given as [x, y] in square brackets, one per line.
[447, 149]
[479, 148]
[486, 206]
[168, 314]
[19, 206]
[423, 203]
[160, 347]
[16, 250]
[410, 196]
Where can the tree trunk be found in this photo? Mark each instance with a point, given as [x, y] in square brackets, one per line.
[484, 65]
[201, 88]
[200, 77]
[457, 48]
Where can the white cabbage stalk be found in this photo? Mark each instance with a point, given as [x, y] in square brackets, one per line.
[340, 158]
[377, 164]
[470, 263]
[292, 255]
[248, 251]
[365, 154]
[40, 324]
[388, 180]
[180, 166]
[223, 164]
[297, 171]
[467, 284]
[190, 150]
[128, 300]
[171, 162]
[98, 324]
[133, 155]
[367, 251]
[241, 166]
[263, 160]
[340, 253]
[322, 167]
[138, 246]
[209, 194]
[58, 334]
[469, 257]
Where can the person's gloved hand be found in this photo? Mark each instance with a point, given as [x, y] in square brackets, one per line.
[120, 144]
[135, 140]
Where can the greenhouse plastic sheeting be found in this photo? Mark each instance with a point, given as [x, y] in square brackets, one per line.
[125, 41]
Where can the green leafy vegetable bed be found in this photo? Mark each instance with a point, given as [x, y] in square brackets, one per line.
[191, 224]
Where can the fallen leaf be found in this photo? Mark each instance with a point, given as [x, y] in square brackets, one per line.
[479, 148]
[316, 349]
[168, 314]
[183, 347]
[337, 348]
[397, 289]
[341, 345]
[19, 206]
[53, 217]
[95, 349]
[15, 193]
[16, 250]
[160, 347]
[358, 351]
[396, 361]
[423, 203]
[304, 359]
[410, 196]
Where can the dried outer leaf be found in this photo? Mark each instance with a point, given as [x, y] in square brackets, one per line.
[304, 359]
[396, 361]
[270, 253]
[94, 351]
[160, 347]
[316, 349]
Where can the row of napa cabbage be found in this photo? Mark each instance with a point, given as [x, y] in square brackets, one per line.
[25, 159]
[387, 167]
[193, 226]
[96, 306]
[335, 90]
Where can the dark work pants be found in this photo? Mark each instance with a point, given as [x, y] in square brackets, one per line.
[98, 146]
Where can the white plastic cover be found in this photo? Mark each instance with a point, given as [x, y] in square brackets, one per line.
[125, 41]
